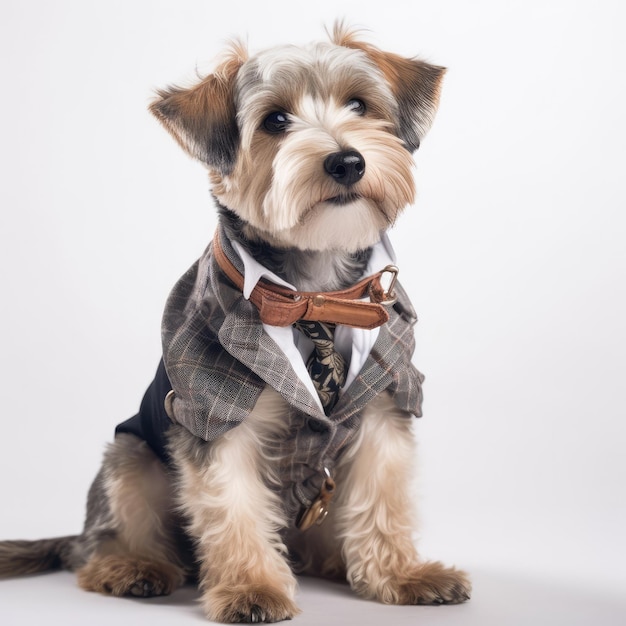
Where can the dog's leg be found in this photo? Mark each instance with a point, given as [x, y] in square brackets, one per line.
[375, 519]
[235, 518]
[129, 545]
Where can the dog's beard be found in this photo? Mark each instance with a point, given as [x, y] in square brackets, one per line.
[350, 226]
[292, 201]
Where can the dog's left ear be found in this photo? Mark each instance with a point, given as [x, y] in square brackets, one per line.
[415, 84]
[202, 118]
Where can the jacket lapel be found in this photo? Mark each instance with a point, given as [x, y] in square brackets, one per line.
[242, 336]
[389, 360]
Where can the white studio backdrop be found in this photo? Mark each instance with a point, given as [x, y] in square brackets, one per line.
[514, 255]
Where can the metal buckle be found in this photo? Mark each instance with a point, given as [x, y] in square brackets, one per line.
[389, 296]
[318, 510]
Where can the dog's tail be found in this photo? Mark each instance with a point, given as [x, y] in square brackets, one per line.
[19, 558]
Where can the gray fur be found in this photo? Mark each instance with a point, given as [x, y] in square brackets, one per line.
[20, 558]
[308, 270]
[135, 539]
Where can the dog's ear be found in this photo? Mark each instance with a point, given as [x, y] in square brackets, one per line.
[415, 84]
[203, 118]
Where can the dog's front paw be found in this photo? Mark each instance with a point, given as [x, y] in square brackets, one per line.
[424, 583]
[433, 583]
[248, 604]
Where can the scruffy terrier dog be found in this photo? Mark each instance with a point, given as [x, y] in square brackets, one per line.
[276, 436]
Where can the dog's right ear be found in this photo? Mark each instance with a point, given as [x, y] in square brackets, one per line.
[203, 118]
[415, 84]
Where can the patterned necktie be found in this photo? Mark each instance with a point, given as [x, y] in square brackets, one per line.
[326, 366]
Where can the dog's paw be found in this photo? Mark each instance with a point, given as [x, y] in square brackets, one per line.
[248, 604]
[424, 583]
[123, 576]
[433, 583]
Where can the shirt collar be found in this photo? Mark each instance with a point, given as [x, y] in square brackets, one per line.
[382, 255]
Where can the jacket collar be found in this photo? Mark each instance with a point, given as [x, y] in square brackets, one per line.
[250, 343]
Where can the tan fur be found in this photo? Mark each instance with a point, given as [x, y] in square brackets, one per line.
[229, 496]
[141, 553]
[369, 535]
[375, 521]
[235, 518]
[121, 575]
[191, 115]
[141, 500]
[402, 74]
[286, 174]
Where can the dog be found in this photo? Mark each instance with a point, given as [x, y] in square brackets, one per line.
[250, 461]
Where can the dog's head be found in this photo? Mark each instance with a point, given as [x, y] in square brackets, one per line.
[310, 147]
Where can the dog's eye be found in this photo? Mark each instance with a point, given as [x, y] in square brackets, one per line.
[356, 106]
[276, 122]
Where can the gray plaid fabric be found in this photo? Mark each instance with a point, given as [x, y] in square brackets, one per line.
[218, 359]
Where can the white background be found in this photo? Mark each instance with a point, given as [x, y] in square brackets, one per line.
[514, 255]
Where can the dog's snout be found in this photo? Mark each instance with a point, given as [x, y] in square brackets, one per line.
[346, 167]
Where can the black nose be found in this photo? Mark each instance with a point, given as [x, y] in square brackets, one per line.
[345, 167]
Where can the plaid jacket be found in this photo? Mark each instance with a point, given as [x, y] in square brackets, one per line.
[218, 359]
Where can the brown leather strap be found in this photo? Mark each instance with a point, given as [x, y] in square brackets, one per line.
[279, 306]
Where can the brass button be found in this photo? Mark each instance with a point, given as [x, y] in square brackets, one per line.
[318, 300]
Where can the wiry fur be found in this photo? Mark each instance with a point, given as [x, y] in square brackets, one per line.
[226, 492]
[216, 513]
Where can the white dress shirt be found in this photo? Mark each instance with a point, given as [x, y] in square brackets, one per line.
[354, 344]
